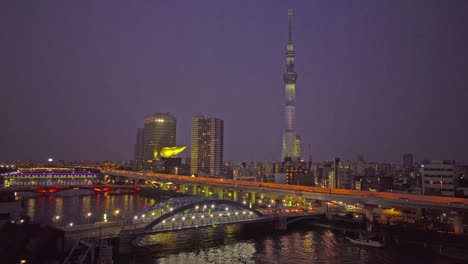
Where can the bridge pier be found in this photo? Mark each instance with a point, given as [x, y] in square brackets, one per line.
[125, 243]
[457, 222]
[369, 211]
[194, 191]
[207, 191]
[221, 193]
[234, 194]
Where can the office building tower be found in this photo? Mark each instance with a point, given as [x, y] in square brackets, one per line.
[289, 77]
[207, 146]
[159, 131]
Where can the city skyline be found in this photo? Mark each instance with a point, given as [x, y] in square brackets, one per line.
[382, 89]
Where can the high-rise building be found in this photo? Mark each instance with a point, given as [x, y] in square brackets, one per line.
[139, 149]
[438, 177]
[290, 77]
[335, 181]
[207, 146]
[159, 131]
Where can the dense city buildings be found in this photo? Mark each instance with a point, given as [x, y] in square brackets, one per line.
[289, 150]
[369, 183]
[207, 146]
[438, 177]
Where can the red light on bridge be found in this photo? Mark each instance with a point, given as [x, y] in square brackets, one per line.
[103, 189]
[53, 190]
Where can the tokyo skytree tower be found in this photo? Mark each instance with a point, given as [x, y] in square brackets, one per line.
[290, 77]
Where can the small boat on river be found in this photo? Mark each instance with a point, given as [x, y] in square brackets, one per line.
[365, 242]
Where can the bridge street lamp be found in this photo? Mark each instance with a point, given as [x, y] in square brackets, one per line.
[116, 214]
[56, 219]
[88, 216]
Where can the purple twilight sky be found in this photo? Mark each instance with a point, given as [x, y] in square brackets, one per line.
[379, 78]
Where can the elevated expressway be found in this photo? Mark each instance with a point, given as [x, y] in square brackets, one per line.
[325, 194]
[369, 200]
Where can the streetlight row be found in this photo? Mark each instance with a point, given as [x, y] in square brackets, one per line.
[88, 216]
[211, 216]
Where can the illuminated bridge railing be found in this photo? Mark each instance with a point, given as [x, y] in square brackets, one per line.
[48, 178]
[193, 211]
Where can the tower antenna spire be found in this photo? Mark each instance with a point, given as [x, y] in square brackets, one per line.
[290, 13]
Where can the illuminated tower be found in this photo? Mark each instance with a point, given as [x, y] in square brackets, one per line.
[290, 77]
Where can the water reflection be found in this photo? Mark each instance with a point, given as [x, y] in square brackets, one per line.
[74, 206]
[259, 244]
[252, 243]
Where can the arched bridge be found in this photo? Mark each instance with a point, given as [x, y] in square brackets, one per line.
[194, 211]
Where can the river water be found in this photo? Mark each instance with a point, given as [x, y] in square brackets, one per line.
[253, 243]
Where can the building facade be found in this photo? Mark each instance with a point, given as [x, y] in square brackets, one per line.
[207, 146]
[438, 177]
[159, 131]
[289, 148]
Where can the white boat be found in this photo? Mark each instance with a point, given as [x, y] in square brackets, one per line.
[365, 242]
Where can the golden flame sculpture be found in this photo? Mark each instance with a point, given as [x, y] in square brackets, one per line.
[168, 152]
